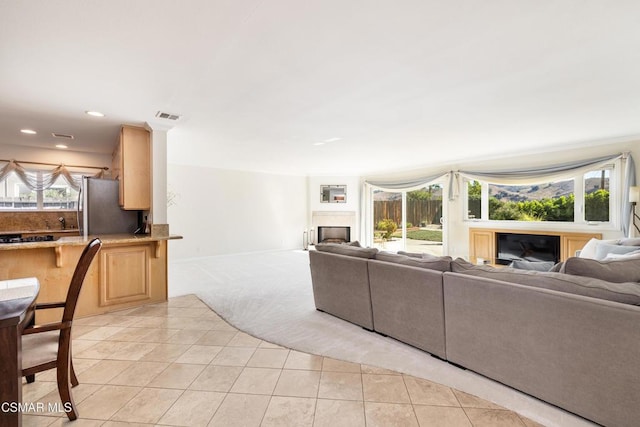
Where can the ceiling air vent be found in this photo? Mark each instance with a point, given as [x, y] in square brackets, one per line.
[168, 116]
[61, 135]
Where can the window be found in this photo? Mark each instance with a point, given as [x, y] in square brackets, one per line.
[552, 201]
[474, 200]
[585, 198]
[15, 195]
[596, 196]
[60, 196]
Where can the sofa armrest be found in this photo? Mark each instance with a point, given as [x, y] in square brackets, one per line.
[341, 287]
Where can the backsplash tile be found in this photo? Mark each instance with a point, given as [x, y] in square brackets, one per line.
[39, 221]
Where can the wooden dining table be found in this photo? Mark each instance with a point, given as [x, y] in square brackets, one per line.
[17, 304]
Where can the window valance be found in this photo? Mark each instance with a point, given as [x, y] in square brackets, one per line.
[557, 172]
[43, 179]
[406, 184]
[523, 176]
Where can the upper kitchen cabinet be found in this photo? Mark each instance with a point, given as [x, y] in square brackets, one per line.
[132, 168]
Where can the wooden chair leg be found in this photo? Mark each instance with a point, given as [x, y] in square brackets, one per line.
[64, 388]
[74, 379]
[30, 378]
[64, 384]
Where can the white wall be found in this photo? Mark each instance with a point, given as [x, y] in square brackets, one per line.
[353, 198]
[221, 211]
[158, 175]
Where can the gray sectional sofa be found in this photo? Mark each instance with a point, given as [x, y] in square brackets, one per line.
[568, 339]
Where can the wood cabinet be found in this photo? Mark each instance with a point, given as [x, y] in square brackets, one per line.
[123, 275]
[482, 242]
[131, 166]
[482, 245]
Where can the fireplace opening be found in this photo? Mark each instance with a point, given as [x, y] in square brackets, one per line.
[334, 234]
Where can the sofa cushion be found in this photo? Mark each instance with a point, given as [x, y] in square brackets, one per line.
[628, 293]
[614, 270]
[432, 263]
[340, 249]
[422, 255]
[411, 254]
[556, 268]
[354, 243]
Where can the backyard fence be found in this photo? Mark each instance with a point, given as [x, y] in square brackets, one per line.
[419, 212]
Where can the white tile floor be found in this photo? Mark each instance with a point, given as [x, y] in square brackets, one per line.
[179, 364]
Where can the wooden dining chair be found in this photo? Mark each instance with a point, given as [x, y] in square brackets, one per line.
[48, 346]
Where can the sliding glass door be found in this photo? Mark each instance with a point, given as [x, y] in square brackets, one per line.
[409, 220]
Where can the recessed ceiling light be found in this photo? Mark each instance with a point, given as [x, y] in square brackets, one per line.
[61, 146]
[95, 113]
[61, 135]
[28, 131]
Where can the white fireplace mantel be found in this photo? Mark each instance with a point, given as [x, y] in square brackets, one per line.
[332, 219]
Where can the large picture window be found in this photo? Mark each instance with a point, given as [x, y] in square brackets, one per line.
[585, 198]
[552, 201]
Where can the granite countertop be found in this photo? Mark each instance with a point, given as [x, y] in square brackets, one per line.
[42, 232]
[82, 241]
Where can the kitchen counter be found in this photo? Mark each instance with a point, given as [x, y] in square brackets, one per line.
[130, 270]
[81, 241]
[69, 231]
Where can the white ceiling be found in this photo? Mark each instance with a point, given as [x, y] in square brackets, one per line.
[403, 84]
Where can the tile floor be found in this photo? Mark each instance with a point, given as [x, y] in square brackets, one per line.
[180, 364]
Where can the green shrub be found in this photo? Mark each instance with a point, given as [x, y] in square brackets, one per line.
[506, 211]
[388, 226]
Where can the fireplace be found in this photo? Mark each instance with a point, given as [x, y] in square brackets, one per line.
[334, 234]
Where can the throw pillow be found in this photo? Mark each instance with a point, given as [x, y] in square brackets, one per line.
[634, 254]
[340, 249]
[354, 243]
[630, 241]
[532, 265]
[604, 249]
[589, 250]
[439, 263]
[617, 270]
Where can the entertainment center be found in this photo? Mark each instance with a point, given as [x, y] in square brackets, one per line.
[500, 246]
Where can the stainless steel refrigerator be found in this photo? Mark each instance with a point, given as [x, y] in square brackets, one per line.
[100, 212]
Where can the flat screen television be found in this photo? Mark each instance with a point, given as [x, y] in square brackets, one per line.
[529, 247]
